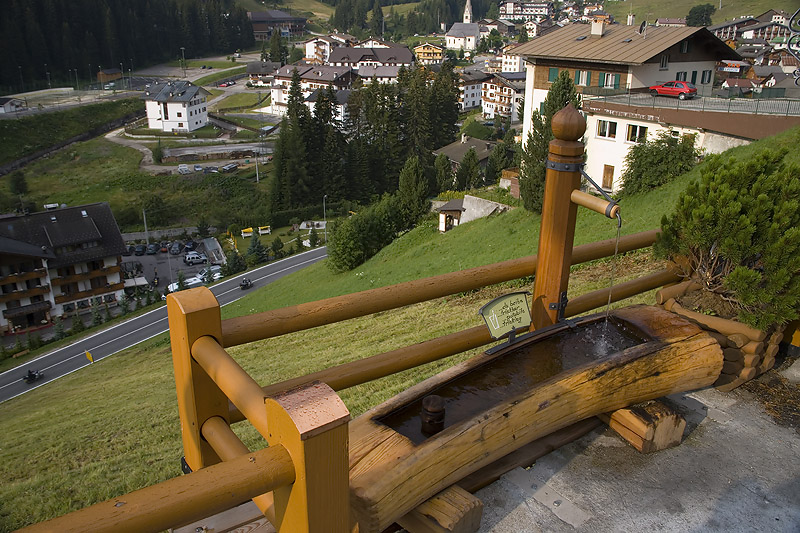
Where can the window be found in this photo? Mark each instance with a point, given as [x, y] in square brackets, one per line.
[552, 75]
[636, 134]
[583, 78]
[180, 124]
[607, 129]
[681, 76]
[706, 77]
[180, 115]
[609, 81]
[685, 46]
[664, 62]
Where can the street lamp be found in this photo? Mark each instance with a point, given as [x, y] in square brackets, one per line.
[49, 85]
[183, 61]
[325, 218]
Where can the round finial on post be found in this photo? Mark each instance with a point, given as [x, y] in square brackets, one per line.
[568, 124]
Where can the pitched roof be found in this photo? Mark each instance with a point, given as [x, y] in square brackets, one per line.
[461, 29]
[68, 227]
[313, 72]
[457, 150]
[733, 22]
[263, 67]
[622, 45]
[342, 96]
[389, 71]
[396, 54]
[173, 91]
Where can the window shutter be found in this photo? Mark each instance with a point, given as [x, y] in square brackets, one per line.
[577, 77]
[588, 78]
[616, 81]
[553, 74]
[602, 79]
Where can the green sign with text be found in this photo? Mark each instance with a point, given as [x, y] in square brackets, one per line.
[506, 313]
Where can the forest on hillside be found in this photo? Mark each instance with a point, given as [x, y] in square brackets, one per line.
[62, 38]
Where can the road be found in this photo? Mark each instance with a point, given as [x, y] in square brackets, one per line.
[72, 358]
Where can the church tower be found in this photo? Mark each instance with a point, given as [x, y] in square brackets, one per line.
[468, 13]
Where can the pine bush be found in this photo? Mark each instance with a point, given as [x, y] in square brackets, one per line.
[739, 230]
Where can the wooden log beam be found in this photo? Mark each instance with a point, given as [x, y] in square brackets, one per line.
[454, 510]
[401, 476]
[649, 427]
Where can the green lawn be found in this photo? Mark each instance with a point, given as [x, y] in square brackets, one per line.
[317, 8]
[25, 136]
[113, 427]
[245, 99]
[211, 78]
[650, 10]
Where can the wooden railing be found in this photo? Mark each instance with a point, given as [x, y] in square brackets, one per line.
[112, 287]
[215, 392]
[39, 290]
[23, 276]
[303, 418]
[82, 276]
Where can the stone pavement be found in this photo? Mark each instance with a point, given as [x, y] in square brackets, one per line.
[737, 470]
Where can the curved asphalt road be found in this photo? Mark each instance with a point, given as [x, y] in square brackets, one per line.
[126, 334]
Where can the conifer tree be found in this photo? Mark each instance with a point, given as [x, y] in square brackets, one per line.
[413, 190]
[468, 175]
[444, 173]
[256, 252]
[531, 183]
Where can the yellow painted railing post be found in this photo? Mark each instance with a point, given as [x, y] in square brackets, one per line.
[194, 313]
[311, 423]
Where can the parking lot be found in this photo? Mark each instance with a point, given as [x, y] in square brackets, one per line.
[164, 266]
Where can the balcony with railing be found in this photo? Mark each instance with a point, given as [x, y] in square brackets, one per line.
[85, 276]
[23, 276]
[39, 290]
[111, 287]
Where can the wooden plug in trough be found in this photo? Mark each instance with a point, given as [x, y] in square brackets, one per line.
[497, 402]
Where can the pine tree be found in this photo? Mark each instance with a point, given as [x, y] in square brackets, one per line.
[413, 190]
[181, 280]
[77, 323]
[234, 264]
[97, 318]
[256, 252]
[444, 173]
[376, 19]
[313, 238]
[58, 328]
[496, 163]
[468, 175]
[537, 146]
[277, 247]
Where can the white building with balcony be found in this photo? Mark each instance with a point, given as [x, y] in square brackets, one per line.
[176, 106]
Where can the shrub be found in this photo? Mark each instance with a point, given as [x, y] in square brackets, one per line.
[739, 232]
[653, 163]
[77, 323]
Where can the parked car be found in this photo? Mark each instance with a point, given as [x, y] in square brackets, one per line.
[210, 170]
[681, 89]
[140, 249]
[176, 248]
[152, 248]
[198, 168]
[216, 272]
[230, 167]
[190, 283]
[184, 169]
[164, 247]
[129, 250]
[195, 258]
[189, 246]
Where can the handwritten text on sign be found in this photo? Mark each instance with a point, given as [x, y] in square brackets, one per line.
[506, 314]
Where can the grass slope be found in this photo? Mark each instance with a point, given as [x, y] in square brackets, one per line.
[650, 10]
[113, 427]
[25, 136]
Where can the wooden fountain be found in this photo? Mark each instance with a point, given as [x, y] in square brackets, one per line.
[560, 373]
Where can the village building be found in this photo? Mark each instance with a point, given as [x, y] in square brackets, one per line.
[339, 107]
[261, 73]
[611, 59]
[312, 77]
[379, 74]
[356, 58]
[429, 54]
[58, 262]
[10, 104]
[176, 106]
[266, 22]
[456, 151]
[520, 10]
[510, 61]
[503, 94]
[673, 22]
[470, 83]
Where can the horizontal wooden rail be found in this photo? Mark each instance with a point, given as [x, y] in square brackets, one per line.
[183, 499]
[242, 390]
[294, 318]
[593, 300]
[228, 446]
[381, 365]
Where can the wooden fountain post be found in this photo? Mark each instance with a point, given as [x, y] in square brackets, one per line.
[558, 217]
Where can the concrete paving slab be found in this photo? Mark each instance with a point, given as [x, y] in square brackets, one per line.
[735, 471]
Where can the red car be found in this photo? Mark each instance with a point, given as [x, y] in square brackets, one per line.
[681, 89]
